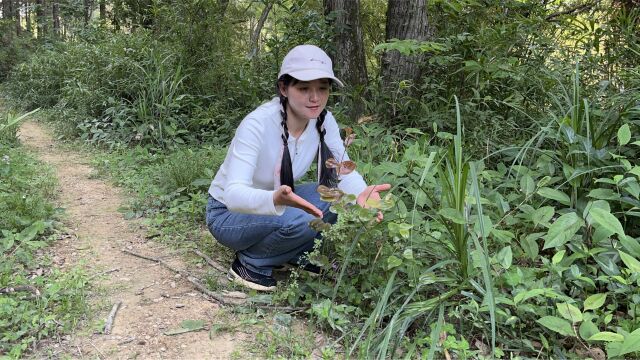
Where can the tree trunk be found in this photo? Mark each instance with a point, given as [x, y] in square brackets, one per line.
[16, 16]
[406, 19]
[115, 15]
[55, 13]
[348, 57]
[255, 36]
[40, 19]
[103, 10]
[27, 16]
[6, 5]
[87, 11]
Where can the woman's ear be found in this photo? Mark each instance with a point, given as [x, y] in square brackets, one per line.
[282, 88]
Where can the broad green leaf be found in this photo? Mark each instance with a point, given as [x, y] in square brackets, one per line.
[604, 194]
[630, 344]
[632, 263]
[554, 194]
[393, 261]
[527, 185]
[557, 257]
[530, 245]
[561, 326]
[542, 215]
[635, 171]
[624, 134]
[505, 257]
[606, 336]
[594, 301]
[569, 312]
[587, 329]
[605, 219]
[631, 245]
[562, 230]
[192, 324]
[487, 226]
[452, 215]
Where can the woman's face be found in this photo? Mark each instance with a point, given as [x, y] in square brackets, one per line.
[306, 99]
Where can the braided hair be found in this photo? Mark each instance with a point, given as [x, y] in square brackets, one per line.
[328, 176]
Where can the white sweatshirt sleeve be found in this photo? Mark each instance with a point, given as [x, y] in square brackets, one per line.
[352, 183]
[241, 162]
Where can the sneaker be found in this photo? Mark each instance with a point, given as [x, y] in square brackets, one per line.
[238, 273]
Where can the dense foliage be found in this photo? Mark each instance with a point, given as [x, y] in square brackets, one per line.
[512, 228]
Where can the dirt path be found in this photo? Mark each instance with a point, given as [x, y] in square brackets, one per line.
[154, 300]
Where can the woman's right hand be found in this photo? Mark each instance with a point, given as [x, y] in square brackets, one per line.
[284, 196]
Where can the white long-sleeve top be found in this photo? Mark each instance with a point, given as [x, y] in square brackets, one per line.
[249, 175]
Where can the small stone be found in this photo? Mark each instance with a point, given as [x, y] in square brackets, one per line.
[183, 346]
[173, 284]
[162, 349]
[142, 342]
[179, 306]
[148, 337]
[177, 276]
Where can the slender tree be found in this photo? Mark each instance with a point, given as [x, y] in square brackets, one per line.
[348, 53]
[406, 19]
[55, 14]
[16, 16]
[255, 35]
[103, 10]
[27, 16]
[5, 9]
[40, 19]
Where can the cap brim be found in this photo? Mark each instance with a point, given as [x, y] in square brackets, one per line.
[308, 75]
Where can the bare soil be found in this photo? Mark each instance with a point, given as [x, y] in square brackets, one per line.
[154, 299]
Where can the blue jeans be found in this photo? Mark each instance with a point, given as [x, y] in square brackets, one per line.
[264, 241]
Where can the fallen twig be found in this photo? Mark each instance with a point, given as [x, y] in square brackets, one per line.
[287, 309]
[210, 261]
[103, 273]
[29, 288]
[210, 294]
[112, 315]
[219, 298]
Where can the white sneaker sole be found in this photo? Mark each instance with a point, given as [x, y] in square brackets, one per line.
[232, 276]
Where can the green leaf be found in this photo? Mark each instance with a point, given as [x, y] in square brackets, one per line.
[530, 245]
[605, 219]
[561, 326]
[557, 257]
[624, 134]
[505, 257]
[562, 230]
[604, 194]
[630, 261]
[452, 215]
[594, 301]
[192, 324]
[393, 261]
[542, 215]
[632, 246]
[631, 344]
[587, 329]
[606, 336]
[635, 171]
[569, 312]
[554, 194]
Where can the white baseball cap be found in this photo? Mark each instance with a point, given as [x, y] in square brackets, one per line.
[308, 62]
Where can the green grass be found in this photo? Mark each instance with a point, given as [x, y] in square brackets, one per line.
[51, 302]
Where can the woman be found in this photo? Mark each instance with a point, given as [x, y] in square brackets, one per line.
[254, 207]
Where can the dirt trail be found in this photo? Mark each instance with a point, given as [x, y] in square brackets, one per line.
[154, 300]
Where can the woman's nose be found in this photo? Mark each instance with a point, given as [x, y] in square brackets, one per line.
[314, 96]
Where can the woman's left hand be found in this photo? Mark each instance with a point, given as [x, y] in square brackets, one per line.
[372, 192]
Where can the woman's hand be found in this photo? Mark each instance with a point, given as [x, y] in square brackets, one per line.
[284, 196]
[372, 192]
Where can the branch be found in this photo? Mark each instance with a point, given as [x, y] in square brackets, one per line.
[210, 261]
[211, 295]
[573, 10]
[112, 315]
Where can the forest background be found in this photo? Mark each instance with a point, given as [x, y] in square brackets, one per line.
[509, 130]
